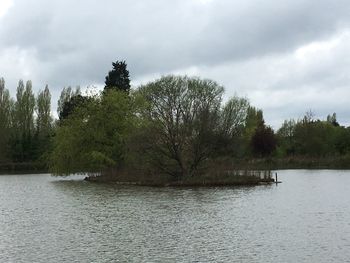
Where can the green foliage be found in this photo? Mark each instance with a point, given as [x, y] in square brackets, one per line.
[24, 137]
[43, 108]
[332, 119]
[6, 109]
[92, 138]
[68, 101]
[23, 145]
[254, 118]
[44, 123]
[313, 138]
[263, 141]
[182, 118]
[175, 126]
[118, 77]
[286, 138]
[342, 140]
[233, 116]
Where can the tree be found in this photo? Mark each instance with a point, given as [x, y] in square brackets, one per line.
[182, 119]
[309, 117]
[118, 77]
[316, 138]
[68, 100]
[6, 108]
[286, 137]
[43, 121]
[233, 120]
[72, 104]
[24, 108]
[333, 119]
[234, 115]
[342, 140]
[22, 139]
[91, 138]
[43, 109]
[263, 140]
[254, 118]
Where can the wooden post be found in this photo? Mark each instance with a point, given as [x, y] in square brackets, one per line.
[276, 178]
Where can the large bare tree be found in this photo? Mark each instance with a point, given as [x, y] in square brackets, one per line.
[182, 116]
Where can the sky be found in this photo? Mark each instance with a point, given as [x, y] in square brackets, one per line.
[287, 57]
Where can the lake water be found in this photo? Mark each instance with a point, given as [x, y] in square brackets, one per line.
[48, 219]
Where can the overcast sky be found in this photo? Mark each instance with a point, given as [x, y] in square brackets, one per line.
[286, 56]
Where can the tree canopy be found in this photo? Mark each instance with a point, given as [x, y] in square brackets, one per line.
[92, 137]
[182, 116]
[118, 77]
[176, 126]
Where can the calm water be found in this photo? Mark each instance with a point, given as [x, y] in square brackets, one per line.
[304, 219]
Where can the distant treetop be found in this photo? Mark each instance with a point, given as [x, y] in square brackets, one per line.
[118, 77]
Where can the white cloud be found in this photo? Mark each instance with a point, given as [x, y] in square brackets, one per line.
[5, 5]
[314, 76]
[283, 57]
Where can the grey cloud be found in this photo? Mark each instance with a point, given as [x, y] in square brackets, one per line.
[267, 27]
[164, 35]
[287, 85]
[247, 45]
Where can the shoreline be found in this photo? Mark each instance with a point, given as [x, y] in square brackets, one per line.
[296, 163]
[197, 182]
[254, 164]
[22, 168]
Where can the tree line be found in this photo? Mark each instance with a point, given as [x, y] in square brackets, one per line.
[176, 125]
[313, 137]
[26, 123]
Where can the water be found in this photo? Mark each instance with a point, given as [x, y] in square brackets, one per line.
[304, 219]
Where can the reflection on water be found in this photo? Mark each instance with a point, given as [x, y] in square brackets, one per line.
[47, 219]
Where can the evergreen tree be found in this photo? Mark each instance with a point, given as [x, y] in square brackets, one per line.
[118, 77]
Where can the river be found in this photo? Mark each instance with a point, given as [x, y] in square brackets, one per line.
[306, 218]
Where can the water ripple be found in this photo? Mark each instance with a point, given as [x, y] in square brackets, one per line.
[304, 219]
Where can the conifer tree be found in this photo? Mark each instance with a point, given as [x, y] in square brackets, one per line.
[118, 77]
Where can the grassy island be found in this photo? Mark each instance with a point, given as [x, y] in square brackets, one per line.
[172, 131]
[224, 177]
[169, 132]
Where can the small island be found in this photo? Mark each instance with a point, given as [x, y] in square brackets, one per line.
[174, 131]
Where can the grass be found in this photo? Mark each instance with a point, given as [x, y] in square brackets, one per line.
[212, 177]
